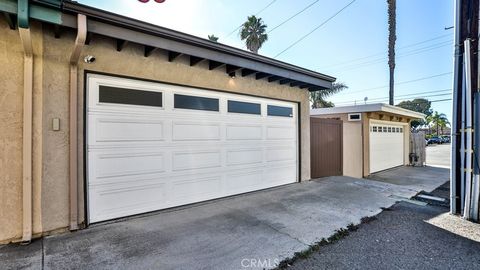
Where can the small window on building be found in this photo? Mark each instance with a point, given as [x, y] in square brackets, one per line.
[374, 129]
[273, 110]
[195, 103]
[389, 129]
[398, 129]
[379, 129]
[108, 94]
[401, 130]
[384, 129]
[243, 107]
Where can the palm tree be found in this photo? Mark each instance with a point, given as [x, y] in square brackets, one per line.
[392, 37]
[254, 32]
[213, 38]
[440, 120]
[317, 98]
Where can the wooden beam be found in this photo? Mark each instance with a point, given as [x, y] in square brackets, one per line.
[295, 83]
[88, 39]
[214, 64]
[274, 78]
[57, 30]
[11, 20]
[195, 60]
[305, 86]
[285, 81]
[173, 55]
[314, 88]
[231, 69]
[246, 72]
[148, 51]
[121, 44]
[261, 75]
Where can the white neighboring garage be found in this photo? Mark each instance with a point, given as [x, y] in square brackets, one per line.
[152, 146]
[376, 137]
[387, 145]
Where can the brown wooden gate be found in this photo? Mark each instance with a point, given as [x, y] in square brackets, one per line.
[326, 147]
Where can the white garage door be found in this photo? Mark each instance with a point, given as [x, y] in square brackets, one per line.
[153, 146]
[386, 146]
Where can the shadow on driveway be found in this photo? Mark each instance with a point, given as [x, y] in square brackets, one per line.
[267, 225]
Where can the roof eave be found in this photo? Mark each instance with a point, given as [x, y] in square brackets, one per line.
[101, 18]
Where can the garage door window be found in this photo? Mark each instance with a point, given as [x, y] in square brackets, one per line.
[243, 107]
[273, 110]
[195, 103]
[108, 94]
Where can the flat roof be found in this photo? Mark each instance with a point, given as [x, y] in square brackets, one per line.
[376, 107]
[124, 29]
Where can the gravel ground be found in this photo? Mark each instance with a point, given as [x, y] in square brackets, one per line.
[408, 236]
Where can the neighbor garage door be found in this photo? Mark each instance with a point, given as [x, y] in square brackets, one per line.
[386, 146]
[152, 146]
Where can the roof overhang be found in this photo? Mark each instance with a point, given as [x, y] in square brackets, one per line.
[125, 29]
[377, 107]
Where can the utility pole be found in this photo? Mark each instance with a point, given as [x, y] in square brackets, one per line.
[464, 176]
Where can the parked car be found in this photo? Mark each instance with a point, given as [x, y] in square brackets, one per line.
[445, 139]
[434, 140]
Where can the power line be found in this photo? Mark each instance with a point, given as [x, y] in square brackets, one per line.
[411, 94]
[403, 82]
[361, 101]
[397, 98]
[314, 29]
[405, 54]
[294, 15]
[384, 52]
[263, 9]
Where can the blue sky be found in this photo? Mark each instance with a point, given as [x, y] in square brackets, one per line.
[351, 47]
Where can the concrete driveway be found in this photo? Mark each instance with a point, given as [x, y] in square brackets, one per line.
[247, 231]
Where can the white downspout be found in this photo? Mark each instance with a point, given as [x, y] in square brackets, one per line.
[468, 130]
[73, 153]
[27, 134]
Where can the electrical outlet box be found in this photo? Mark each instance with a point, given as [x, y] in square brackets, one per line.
[56, 124]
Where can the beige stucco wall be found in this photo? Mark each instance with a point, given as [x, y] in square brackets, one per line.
[352, 145]
[11, 132]
[51, 100]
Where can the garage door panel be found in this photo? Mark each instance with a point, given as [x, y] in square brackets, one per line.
[189, 131]
[142, 159]
[127, 163]
[127, 200]
[196, 160]
[244, 132]
[280, 175]
[280, 133]
[109, 129]
[196, 188]
[243, 182]
[281, 154]
[244, 156]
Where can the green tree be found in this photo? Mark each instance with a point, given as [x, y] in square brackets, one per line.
[317, 98]
[392, 38]
[440, 121]
[254, 33]
[420, 105]
[213, 38]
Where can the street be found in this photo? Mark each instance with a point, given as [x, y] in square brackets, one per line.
[438, 155]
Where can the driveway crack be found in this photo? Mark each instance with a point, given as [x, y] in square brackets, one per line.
[268, 225]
